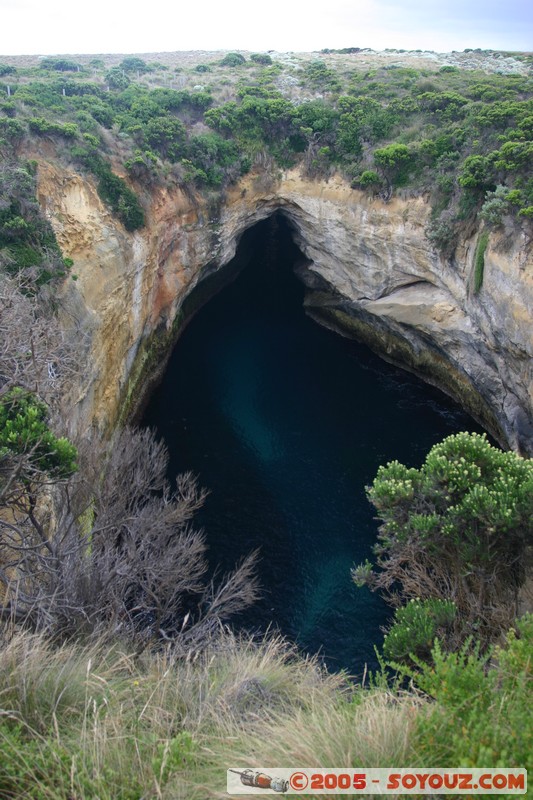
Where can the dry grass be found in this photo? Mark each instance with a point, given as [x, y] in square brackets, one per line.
[93, 721]
[374, 730]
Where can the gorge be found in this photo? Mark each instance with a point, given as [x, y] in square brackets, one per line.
[285, 423]
[369, 272]
[306, 272]
[365, 270]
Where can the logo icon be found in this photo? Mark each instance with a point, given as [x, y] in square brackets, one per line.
[261, 781]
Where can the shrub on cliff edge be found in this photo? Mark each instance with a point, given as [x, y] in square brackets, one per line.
[459, 528]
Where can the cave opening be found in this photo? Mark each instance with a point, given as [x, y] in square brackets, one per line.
[285, 423]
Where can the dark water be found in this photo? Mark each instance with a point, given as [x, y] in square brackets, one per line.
[285, 423]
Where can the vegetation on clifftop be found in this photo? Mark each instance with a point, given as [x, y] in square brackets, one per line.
[463, 136]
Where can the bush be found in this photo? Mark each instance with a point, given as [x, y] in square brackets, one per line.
[476, 173]
[415, 627]
[514, 156]
[11, 129]
[368, 178]
[133, 64]
[28, 243]
[59, 64]
[167, 135]
[233, 60]
[497, 204]
[212, 157]
[321, 76]
[43, 126]
[113, 189]
[123, 201]
[480, 717]
[459, 528]
[142, 165]
[117, 79]
[449, 105]
[261, 58]
[442, 234]
[120, 554]
[24, 434]
[394, 161]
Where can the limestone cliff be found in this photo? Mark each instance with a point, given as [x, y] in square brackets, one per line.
[370, 273]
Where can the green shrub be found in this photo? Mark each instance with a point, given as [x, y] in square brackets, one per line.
[442, 234]
[479, 260]
[395, 162]
[514, 156]
[113, 189]
[459, 528]
[167, 135]
[212, 157]
[192, 174]
[25, 432]
[117, 79]
[142, 165]
[261, 58]
[43, 126]
[497, 204]
[133, 64]
[319, 75]
[476, 173]
[415, 627]
[21, 256]
[8, 108]
[481, 717]
[368, 178]
[26, 237]
[121, 198]
[59, 64]
[469, 201]
[450, 105]
[232, 60]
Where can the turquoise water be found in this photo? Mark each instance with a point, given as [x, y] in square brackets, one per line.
[285, 423]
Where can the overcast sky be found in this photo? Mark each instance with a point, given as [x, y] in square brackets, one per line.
[135, 26]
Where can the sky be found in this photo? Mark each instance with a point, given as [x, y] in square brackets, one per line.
[46, 27]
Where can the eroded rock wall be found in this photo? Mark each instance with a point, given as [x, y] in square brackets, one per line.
[371, 273]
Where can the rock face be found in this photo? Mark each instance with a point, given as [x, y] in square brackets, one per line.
[371, 273]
